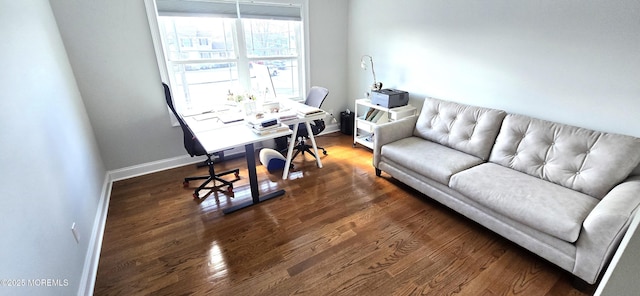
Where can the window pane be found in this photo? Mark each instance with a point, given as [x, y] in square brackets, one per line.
[284, 77]
[205, 63]
[267, 38]
[204, 85]
[196, 38]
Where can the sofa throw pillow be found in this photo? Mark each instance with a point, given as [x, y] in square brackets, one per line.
[588, 161]
[466, 128]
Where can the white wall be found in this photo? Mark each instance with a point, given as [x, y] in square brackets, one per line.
[328, 46]
[571, 61]
[111, 52]
[51, 173]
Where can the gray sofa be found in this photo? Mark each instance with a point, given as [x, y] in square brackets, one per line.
[565, 193]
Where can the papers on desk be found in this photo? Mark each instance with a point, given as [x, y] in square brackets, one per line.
[229, 117]
[304, 110]
[287, 115]
[218, 108]
[225, 117]
[205, 116]
[262, 130]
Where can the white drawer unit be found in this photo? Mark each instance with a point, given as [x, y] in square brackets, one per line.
[368, 116]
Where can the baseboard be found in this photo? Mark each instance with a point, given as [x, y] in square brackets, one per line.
[330, 128]
[152, 167]
[90, 268]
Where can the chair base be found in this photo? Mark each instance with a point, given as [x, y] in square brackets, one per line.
[302, 147]
[213, 178]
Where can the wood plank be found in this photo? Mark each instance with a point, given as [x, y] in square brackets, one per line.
[338, 230]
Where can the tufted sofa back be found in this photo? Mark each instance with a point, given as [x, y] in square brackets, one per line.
[469, 129]
[584, 160]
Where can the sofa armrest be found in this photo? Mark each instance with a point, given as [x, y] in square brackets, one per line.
[603, 229]
[390, 132]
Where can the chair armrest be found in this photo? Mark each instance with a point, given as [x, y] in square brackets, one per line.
[603, 229]
[390, 132]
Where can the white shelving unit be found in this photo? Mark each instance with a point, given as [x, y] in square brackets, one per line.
[364, 125]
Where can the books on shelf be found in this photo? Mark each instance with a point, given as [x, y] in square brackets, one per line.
[376, 115]
[384, 118]
[370, 114]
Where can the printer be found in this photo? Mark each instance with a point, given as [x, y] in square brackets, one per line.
[389, 98]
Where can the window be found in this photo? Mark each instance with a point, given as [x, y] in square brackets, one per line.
[203, 41]
[207, 49]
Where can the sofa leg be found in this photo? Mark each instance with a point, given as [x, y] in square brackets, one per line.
[378, 172]
[582, 286]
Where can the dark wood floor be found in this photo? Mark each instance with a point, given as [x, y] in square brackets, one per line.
[339, 230]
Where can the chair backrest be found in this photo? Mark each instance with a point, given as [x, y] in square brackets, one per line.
[191, 144]
[316, 96]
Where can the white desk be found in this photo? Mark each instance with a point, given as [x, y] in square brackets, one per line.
[216, 136]
[213, 122]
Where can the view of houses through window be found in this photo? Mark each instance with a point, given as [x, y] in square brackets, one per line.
[208, 57]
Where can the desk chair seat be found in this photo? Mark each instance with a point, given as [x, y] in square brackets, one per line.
[194, 148]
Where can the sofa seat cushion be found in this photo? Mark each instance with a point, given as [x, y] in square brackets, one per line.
[544, 206]
[427, 158]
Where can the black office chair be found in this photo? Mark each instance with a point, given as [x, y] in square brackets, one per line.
[315, 97]
[194, 148]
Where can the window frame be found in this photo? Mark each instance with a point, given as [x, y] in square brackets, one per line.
[243, 58]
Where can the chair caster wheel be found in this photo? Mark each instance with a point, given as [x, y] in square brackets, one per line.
[324, 152]
[185, 184]
[237, 175]
[230, 189]
[195, 196]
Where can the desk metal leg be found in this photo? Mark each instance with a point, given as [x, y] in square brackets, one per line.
[253, 183]
[253, 175]
[313, 143]
[292, 143]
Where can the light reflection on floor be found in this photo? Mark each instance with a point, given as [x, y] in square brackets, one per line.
[241, 193]
[217, 264]
[267, 182]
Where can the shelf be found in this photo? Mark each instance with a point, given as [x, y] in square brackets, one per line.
[365, 125]
[363, 128]
[365, 141]
[367, 103]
